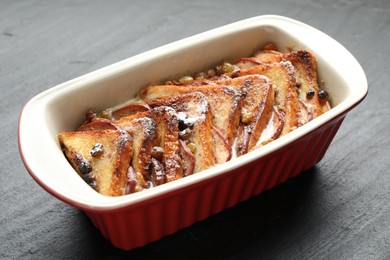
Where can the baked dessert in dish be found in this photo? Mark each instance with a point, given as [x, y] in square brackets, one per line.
[188, 125]
[126, 220]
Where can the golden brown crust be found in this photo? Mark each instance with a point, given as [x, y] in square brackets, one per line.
[156, 128]
[282, 77]
[168, 139]
[305, 70]
[305, 65]
[224, 101]
[143, 131]
[193, 108]
[256, 108]
[256, 112]
[277, 123]
[105, 172]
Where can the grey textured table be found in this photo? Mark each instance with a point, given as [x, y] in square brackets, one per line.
[340, 209]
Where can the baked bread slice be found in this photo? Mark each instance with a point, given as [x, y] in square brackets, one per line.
[144, 134]
[257, 104]
[315, 99]
[224, 101]
[256, 108]
[156, 147]
[100, 157]
[282, 76]
[195, 125]
[257, 97]
[168, 149]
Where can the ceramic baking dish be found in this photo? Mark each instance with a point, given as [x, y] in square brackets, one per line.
[134, 220]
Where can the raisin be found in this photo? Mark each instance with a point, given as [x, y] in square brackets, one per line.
[158, 174]
[97, 150]
[227, 67]
[185, 80]
[93, 185]
[105, 114]
[157, 153]
[85, 167]
[88, 178]
[211, 73]
[185, 134]
[192, 147]
[77, 159]
[310, 93]
[90, 116]
[218, 70]
[201, 75]
[323, 94]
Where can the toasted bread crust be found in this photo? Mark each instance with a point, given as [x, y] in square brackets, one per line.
[225, 103]
[305, 65]
[158, 127]
[256, 109]
[168, 138]
[108, 170]
[194, 108]
[282, 77]
[143, 131]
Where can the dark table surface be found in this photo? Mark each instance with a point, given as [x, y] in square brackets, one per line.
[339, 209]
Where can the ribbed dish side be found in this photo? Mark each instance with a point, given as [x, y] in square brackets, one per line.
[140, 225]
[307, 152]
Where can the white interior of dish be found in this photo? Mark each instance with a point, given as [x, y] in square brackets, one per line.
[63, 107]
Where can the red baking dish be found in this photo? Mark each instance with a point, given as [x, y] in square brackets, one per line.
[134, 220]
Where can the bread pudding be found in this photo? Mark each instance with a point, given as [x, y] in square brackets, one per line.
[187, 125]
